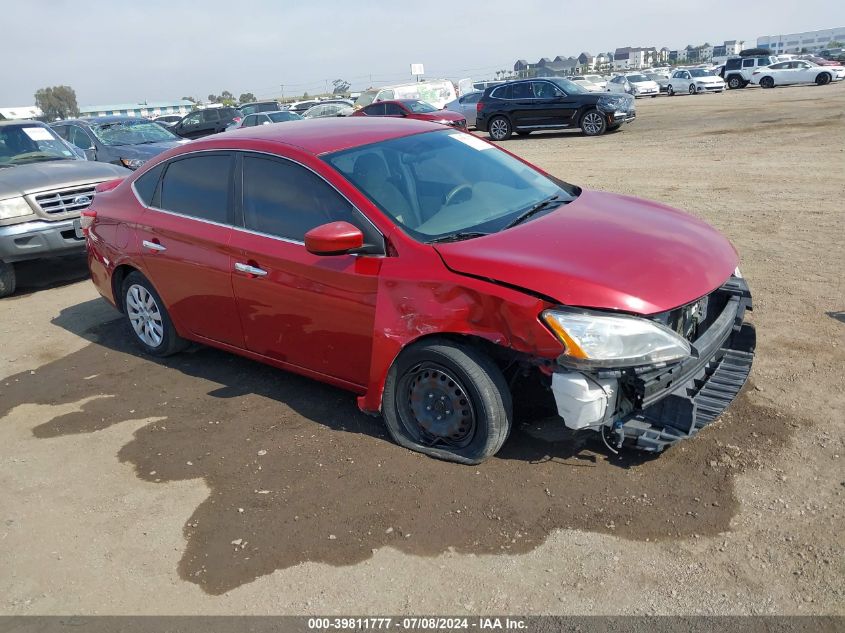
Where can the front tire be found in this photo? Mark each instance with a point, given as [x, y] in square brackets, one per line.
[499, 128]
[822, 79]
[8, 279]
[734, 82]
[767, 82]
[449, 401]
[593, 123]
[670, 91]
[148, 319]
[692, 90]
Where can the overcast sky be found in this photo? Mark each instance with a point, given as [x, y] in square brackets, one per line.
[131, 51]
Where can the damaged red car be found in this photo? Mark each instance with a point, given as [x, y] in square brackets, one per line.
[433, 274]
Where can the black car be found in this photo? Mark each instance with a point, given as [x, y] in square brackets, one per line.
[259, 106]
[529, 105]
[204, 122]
[121, 140]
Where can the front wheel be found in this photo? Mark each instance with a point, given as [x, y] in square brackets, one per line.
[449, 401]
[499, 128]
[7, 279]
[822, 79]
[670, 91]
[148, 318]
[692, 89]
[593, 123]
[734, 83]
[767, 82]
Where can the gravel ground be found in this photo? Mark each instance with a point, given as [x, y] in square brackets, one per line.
[211, 484]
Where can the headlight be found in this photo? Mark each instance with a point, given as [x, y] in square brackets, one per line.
[599, 340]
[14, 208]
[132, 163]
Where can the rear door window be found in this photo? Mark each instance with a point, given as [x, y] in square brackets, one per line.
[376, 109]
[199, 187]
[147, 183]
[393, 109]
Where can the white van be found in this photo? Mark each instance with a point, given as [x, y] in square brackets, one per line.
[437, 92]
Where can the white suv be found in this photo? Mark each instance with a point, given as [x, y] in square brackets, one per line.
[737, 72]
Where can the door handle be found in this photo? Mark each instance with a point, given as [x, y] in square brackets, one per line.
[153, 246]
[250, 270]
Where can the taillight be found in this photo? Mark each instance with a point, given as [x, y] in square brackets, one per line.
[478, 107]
[237, 119]
[86, 220]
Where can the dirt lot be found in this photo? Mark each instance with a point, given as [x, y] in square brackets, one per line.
[211, 484]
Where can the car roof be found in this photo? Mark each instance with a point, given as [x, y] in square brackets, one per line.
[11, 122]
[103, 119]
[326, 135]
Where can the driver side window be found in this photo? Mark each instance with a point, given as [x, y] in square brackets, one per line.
[78, 137]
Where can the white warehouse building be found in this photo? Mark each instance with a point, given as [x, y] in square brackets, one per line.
[795, 42]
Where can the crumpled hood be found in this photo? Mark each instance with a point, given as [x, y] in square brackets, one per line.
[36, 177]
[603, 251]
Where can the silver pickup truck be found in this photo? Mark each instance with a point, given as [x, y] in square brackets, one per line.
[44, 187]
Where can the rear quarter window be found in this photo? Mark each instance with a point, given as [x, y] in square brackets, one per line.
[147, 183]
[502, 92]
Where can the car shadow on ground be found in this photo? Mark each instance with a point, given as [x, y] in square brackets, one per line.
[296, 473]
[46, 274]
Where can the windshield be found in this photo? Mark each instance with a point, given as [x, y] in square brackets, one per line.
[366, 98]
[419, 106]
[444, 183]
[279, 117]
[131, 132]
[636, 79]
[28, 143]
[569, 87]
[700, 72]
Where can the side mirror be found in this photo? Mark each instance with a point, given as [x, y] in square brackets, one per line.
[334, 238]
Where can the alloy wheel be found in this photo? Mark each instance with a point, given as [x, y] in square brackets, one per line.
[144, 315]
[498, 129]
[592, 123]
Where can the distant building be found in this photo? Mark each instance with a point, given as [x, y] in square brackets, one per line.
[629, 57]
[796, 42]
[21, 113]
[152, 109]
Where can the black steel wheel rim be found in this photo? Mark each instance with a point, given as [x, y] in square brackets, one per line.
[435, 408]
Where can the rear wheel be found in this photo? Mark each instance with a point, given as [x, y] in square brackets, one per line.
[449, 401]
[593, 123]
[148, 318]
[767, 82]
[499, 128]
[7, 279]
[735, 82]
[670, 91]
[692, 89]
[822, 79]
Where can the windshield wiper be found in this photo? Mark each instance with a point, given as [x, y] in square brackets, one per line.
[457, 237]
[534, 209]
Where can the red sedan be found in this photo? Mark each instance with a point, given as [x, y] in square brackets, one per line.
[434, 275]
[413, 109]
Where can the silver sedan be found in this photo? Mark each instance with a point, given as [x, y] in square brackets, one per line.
[466, 105]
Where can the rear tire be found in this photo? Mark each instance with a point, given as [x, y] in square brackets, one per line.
[8, 279]
[148, 319]
[670, 91]
[593, 123]
[767, 82]
[734, 82]
[822, 79]
[692, 89]
[471, 411]
[499, 128]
